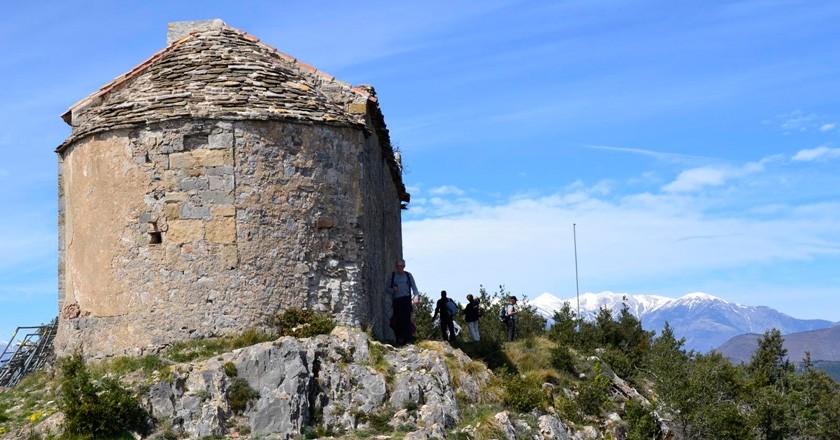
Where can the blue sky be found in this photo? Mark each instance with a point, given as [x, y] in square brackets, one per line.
[696, 147]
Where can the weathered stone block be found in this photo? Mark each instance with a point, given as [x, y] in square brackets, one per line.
[171, 210]
[223, 211]
[228, 256]
[193, 184]
[211, 198]
[194, 212]
[213, 158]
[221, 183]
[220, 141]
[182, 160]
[184, 231]
[221, 230]
[358, 108]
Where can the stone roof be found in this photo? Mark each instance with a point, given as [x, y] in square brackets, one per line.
[222, 73]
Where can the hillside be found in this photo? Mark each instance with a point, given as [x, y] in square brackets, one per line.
[310, 379]
[823, 345]
[341, 385]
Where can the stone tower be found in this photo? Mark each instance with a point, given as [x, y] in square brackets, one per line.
[216, 184]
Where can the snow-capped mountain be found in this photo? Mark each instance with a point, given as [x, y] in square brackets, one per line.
[704, 320]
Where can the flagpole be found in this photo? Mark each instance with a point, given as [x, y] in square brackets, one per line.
[577, 284]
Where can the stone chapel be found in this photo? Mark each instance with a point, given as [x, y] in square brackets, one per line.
[216, 184]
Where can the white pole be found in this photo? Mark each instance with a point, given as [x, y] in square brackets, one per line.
[577, 284]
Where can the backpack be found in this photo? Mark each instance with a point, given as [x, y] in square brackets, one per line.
[503, 316]
[452, 307]
[408, 275]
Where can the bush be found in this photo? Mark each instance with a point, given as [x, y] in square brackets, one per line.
[594, 393]
[641, 422]
[230, 369]
[303, 323]
[562, 360]
[523, 393]
[240, 394]
[619, 362]
[102, 409]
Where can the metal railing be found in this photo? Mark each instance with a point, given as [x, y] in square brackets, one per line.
[26, 353]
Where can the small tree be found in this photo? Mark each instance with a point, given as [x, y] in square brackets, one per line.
[96, 409]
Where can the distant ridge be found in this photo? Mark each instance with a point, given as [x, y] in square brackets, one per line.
[823, 344]
[704, 320]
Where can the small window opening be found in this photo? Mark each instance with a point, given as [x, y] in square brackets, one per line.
[155, 236]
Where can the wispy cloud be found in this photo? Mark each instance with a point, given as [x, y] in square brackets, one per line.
[447, 190]
[713, 175]
[658, 155]
[822, 153]
[800, 121]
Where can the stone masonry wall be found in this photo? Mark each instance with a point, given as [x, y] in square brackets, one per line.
[189, 229]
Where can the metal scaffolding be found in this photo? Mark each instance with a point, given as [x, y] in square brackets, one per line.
[26, 353]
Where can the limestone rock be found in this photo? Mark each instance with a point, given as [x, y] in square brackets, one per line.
[332, 377]
[503, 419]
[552, 428]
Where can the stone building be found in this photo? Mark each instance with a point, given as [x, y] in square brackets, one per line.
[216, 184]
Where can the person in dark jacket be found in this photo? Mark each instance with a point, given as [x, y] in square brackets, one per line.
[472, 312]
[447, 326]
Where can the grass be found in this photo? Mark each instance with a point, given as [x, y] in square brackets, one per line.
[29, 402]
[530, 354]
[200, 349]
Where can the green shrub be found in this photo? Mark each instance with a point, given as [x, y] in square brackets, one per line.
[640, 421]
[96, 409]
[619, 362]
[568, 409]
[562, 359]
[594, 393]
[230, 369]
[240, 394]
[523, 393]
[303, 323]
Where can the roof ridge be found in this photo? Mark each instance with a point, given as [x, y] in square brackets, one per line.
[141, 67]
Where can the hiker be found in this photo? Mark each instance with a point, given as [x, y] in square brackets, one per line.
[402, 287]
[471, 314]
[444, 309]
[511, 311]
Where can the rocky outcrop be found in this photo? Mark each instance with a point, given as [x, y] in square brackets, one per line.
[339, 382]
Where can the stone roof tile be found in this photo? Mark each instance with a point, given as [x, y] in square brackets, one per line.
[220, 73]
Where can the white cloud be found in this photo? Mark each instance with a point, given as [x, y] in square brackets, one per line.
[526, 243]
[795, 121]
[447, 190]
[816, 154]
[712, 175]
[828, 127]
[675, 240]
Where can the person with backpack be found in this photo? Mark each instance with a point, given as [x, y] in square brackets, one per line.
[510, 312]
[402, 287]
[447, 309]
[472, 312]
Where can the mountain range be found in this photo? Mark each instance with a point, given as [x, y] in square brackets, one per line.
[705, 321]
